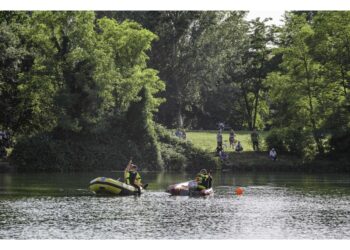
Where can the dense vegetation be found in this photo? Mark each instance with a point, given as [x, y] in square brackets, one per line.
[88, 90]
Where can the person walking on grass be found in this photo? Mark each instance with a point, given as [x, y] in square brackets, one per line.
[255, 140]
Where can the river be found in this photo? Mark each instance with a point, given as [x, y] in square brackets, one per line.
[273, 206]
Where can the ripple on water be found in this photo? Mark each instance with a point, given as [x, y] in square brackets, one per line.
[263, 212]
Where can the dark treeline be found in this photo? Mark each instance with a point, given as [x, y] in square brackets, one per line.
[87, 90]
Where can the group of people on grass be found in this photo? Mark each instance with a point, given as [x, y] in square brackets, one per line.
[236, 145]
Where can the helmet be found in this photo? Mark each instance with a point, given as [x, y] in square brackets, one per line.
[203, 171]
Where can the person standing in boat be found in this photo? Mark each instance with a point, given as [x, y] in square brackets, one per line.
[204, 180]
[132, 177]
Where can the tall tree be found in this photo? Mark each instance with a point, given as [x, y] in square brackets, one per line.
[300, 90]
[95, 67]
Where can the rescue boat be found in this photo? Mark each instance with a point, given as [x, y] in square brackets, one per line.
[188, 188]
[109, 186]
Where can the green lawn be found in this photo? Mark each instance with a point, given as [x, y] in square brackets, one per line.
[207, 139]
[249, 160]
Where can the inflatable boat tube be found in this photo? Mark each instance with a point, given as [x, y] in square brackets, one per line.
[188, 188]
[108, 186]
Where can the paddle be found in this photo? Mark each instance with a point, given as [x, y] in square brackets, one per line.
[139, 188]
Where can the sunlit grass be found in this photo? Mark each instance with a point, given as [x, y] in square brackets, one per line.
[207, 139]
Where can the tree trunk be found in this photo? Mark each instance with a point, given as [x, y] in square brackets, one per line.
[248, 110]
[311, 110]
[255, 109]
[180, 118]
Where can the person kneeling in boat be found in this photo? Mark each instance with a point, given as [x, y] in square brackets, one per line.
[204, 180]
[132, 177]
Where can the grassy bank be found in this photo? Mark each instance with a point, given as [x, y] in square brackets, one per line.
[207, 140]
[248, 160]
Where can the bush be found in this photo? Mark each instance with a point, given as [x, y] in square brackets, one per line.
[173, 160]
[108, 149]
[275, 139]
[37, 153]
[179, 154]
[296, 141]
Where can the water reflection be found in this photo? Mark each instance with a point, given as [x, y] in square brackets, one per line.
[274, 206]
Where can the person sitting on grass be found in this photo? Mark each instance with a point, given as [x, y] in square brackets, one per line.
[273, 154]
[239, 147]
[218, 150]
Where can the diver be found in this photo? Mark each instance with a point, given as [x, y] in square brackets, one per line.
[204, 180]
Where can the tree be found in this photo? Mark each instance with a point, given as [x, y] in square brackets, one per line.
[84, 74]
[300, 93]
[93, 75]
[140, 127]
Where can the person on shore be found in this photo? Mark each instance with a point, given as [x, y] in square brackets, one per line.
[273, 154]
[232, 139]
[204, 180]
[219, 139]
[221, 126]
[132, 177]
[178, 133]
[239, 147]
[184, 134]
[220, 152]
[255, 140]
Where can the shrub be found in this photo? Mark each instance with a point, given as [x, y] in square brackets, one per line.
[180, 154]
[275, 139]
[296, 141]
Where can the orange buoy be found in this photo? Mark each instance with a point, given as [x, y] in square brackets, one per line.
[239, 191]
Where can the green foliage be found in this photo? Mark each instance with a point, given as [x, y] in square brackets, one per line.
[292, 140]
[338, 126]
[140, 127]
[84, 73]
[303, 95]
[179, 155]
[22, 110]
[68, 77]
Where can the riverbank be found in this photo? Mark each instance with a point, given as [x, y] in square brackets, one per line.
[249, 160]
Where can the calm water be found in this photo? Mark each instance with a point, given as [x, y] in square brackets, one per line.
[274, 206]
